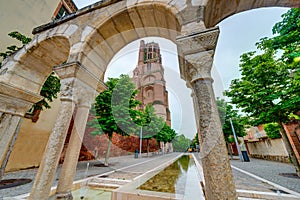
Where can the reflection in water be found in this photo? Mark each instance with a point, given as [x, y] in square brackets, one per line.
[172, 179]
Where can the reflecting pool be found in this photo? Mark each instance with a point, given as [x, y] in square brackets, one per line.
[172, 179]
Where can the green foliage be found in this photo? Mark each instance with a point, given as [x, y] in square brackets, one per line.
[115, 107]
[266, 91]
[221, 104]
[287, 36]
[166, 134]
[269, 88]
[150, 122]
[226, 112]
[49, 91]
[51, 86]
[272, 130]
[13, 48]
[93, 123]
[181, 143]
[195, 141]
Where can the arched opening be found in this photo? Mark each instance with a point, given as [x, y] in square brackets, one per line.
[31, 67]
[216, 11]
[124, 27]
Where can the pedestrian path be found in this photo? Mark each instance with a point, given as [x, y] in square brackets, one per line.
[257, 179]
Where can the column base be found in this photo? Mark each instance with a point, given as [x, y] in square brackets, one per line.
[64, 196]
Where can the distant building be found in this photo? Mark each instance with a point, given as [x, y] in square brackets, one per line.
[148, 76]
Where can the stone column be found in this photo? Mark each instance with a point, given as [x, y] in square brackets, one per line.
[46, 173]
[8, 135]
[198, 51]
[14, 102]
[68, 169]
[77, 83]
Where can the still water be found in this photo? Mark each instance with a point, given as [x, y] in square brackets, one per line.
[172, 179]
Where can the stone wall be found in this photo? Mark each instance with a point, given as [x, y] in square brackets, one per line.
[292, 129]
[269, 149]
[32, 140]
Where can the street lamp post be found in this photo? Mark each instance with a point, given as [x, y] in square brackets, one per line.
[141, 136]
[236, 142]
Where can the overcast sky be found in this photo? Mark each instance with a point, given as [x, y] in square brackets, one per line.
[238, 34]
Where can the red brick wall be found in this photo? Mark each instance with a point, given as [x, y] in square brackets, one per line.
[293, 132]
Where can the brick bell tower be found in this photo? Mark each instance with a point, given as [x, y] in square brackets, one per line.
[148, 76]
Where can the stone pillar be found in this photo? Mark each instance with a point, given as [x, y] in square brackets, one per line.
[46, 173]
[8, 134]
[68, 169]
[76, 82]
[14, 103]
[198, 50]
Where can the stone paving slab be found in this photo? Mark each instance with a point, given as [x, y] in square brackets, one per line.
[127, 167]
[270, 171]
[124, 164]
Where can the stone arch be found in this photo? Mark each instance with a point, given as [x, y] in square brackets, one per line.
[29, 67]
[216, 11]
[125, 24]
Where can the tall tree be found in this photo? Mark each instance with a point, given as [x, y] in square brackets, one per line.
[166, 134]
[268, 90]
[181, 143]
[149, 123]
[115, 109]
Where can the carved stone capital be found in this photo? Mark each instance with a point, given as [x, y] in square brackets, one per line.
[73, 89]
[198, 66]
[196, 54]
[198, 42]
[78, 84]
[80, 72]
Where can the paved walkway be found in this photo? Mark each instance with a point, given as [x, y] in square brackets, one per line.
[129, 168]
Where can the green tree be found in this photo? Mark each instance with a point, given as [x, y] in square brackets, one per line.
[149, 123]
[226, 112]
[287, 37]
[195, 141]
[13, 48]
[115, 109]
[166, 134]
[272, 130]
[181, 143]
[268, 91]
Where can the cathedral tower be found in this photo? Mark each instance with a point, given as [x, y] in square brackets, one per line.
[149, 79]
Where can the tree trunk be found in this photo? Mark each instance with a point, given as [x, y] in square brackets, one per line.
[229, 150]
[108, 151]
[5, 161]
[289, 149]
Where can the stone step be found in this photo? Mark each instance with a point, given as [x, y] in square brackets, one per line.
[107, 183]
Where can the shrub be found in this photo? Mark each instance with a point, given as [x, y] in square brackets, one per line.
[272, 130]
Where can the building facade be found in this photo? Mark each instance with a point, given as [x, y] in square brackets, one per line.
[148, 76]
